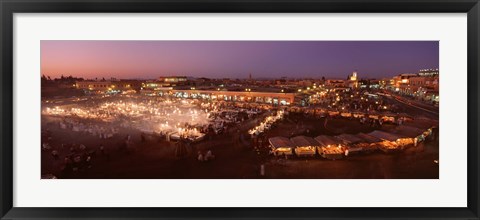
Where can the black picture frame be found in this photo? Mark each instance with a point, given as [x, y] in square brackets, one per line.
[9, 7]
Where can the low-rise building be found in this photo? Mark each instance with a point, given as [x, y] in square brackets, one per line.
[335, 83]
[104, 85]
[173, 80]
[274, 98]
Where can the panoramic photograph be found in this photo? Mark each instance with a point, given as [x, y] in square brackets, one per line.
[239, 109]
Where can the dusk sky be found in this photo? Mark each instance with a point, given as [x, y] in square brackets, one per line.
[236, 59]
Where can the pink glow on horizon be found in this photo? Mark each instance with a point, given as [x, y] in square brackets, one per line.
[234, 59]
[119, 59]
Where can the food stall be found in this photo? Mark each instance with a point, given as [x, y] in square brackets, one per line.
[429, 127]
[281, 146]
[415, 134]
[358, 114]
[304, 146]
[390, 142]
[333, 113]
[390, 118]
[369, 143]
[330, 147]
[352, 143]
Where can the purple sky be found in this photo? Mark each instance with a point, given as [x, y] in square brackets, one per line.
[236, 59]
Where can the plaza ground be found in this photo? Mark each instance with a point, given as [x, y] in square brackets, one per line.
[156, 159]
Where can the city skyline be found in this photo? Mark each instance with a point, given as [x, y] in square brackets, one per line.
[236, 59]
[149, 103]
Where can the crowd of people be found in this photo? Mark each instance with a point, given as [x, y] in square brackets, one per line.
[91, 128]
[109, 118]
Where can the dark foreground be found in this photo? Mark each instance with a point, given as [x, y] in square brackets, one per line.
[156, 159]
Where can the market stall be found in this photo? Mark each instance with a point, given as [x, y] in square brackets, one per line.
[330, 147]
[304, 146]
[281, 146]
[369, 143]
[429, 127]
[415, 134]
[389, 118]
[333, 113]
[390, 142]
[352, 143]
[358, 114]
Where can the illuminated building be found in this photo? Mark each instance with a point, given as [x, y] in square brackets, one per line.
[353, 80]
[103, 86]
[335, 83]
[173, 80]
[423, 86]
[401, 82]
[428, 72]
[273, 98]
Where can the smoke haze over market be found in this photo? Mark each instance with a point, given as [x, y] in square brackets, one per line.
[236, 59]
